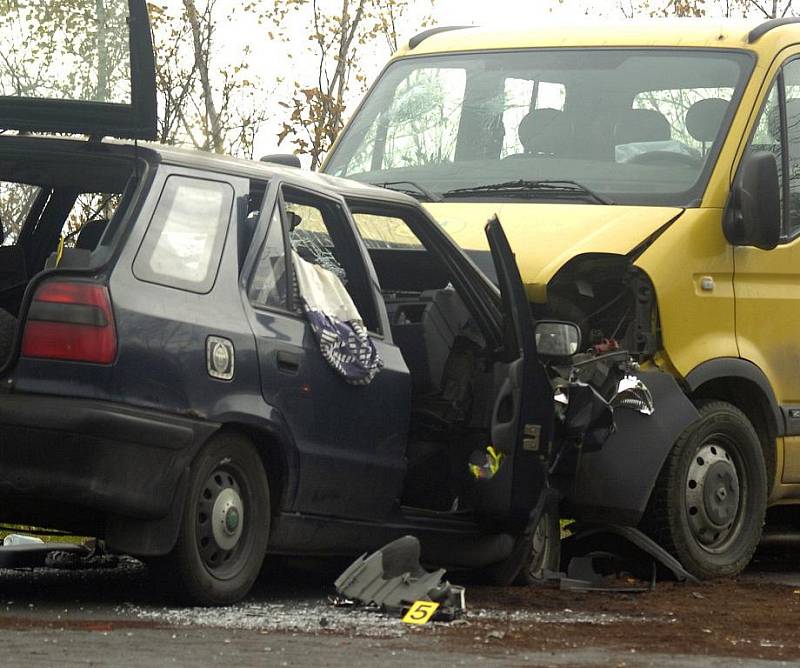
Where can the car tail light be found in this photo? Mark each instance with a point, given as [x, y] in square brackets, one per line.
[71, 321]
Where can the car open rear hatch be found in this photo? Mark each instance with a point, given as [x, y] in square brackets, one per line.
[77, 67]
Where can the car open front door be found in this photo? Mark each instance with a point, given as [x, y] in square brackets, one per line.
[522, 419]
[77, 66]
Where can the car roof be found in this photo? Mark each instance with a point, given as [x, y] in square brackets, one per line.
[195, 159]
[688, 32]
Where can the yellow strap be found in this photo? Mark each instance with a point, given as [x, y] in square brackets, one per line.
[60, 249]
[488, 470]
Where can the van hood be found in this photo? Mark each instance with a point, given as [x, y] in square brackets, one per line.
[546, 236]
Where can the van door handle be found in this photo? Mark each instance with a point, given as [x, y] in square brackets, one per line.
[288, 362]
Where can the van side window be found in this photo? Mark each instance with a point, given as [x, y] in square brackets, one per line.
[767, 135]
[778, 132]
[791, 80]
[182, 247]
[269, 285]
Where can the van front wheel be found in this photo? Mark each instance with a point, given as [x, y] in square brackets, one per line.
[709, 502]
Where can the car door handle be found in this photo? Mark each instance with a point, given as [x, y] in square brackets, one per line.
[288, 362]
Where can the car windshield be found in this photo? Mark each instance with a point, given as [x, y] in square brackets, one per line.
[632, 126]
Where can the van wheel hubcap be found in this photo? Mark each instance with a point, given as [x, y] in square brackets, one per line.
[712, 495]
[220, 518]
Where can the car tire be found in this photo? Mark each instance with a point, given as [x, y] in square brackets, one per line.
[709, 502]
[534, 552]
[225, 525]
[543, 553]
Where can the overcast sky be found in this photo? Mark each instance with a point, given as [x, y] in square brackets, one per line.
[271, 62]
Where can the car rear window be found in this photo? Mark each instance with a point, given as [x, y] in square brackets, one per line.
[16, 200]
[65, 50]
[183, 243]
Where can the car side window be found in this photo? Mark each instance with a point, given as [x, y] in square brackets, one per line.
[320, 233]
[182, 247]
[269, 285]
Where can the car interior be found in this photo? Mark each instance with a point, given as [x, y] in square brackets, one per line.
[53, 212]
[451, 378]
[452, 384]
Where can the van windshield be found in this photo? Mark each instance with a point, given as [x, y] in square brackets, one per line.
[628, 126]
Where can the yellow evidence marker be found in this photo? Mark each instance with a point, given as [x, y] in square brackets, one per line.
[420, 612]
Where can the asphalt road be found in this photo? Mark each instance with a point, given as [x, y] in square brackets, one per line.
[114, 617]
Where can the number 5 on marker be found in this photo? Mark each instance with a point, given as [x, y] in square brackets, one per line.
[420, 612]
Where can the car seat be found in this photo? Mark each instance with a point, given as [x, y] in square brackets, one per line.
[704, 118]
[545, 131]
[641, 125]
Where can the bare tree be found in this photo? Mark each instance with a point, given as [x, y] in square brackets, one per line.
[341, 31]
[205, 102]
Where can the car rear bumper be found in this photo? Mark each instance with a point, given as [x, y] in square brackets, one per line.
[103, 457]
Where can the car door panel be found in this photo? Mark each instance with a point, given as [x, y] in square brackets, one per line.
[350, 440]
[523, 414]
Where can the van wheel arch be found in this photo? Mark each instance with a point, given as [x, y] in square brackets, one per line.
[744, 385]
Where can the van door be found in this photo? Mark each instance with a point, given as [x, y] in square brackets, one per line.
[522, 419]
[77, 67]
[767, 282]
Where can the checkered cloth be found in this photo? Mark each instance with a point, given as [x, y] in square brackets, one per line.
[343, 339]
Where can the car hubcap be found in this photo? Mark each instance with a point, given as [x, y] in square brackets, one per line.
[220, 519]
[712, 495]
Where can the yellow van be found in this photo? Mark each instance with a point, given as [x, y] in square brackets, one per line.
[648, 179]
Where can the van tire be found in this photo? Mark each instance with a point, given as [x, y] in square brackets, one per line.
[709, 502]
[225, 525]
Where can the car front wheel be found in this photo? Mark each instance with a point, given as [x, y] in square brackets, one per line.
[543, 553]
[709, 502]
[225, 524]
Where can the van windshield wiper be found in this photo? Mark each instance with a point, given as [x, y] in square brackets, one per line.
[414, 189]
[522, 187]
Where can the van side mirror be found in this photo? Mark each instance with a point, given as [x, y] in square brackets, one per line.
[753, 217]
[556, 340]
[287, 159]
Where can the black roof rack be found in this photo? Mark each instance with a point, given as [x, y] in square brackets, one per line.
[416, 40]
[759, 31]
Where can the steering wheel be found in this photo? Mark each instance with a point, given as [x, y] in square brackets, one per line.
[660, 157]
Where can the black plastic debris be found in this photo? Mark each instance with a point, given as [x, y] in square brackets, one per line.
[392, 580]
[35, 555]
[597, 556]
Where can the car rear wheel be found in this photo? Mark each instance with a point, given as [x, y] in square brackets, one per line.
[709, 503]
[225, 524]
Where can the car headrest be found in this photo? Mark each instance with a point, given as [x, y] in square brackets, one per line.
[704, 118]
[541, 130]
[639, 125]
[90, 234]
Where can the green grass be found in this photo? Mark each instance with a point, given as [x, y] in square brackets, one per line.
[47, 535]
